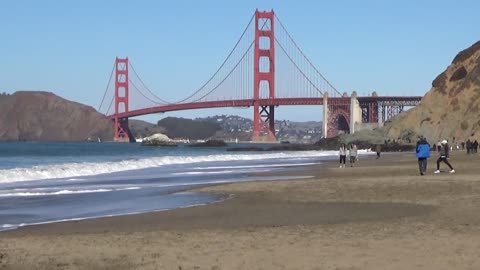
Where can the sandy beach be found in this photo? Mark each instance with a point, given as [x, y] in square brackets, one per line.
[380, 214]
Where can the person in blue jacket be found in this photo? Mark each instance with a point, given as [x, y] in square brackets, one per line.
[423, 152]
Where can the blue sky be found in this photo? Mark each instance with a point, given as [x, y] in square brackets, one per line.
[68, 47]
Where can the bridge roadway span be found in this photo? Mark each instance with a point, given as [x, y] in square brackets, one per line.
[387, 100]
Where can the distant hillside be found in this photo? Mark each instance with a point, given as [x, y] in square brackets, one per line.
[28, 115]
[141, 129]
[236, 127]
[188, 128]
[451, 109]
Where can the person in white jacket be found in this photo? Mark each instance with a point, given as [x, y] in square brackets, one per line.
[343, 155]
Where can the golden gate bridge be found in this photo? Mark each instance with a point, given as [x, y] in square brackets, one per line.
[265, 69]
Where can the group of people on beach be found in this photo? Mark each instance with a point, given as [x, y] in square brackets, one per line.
[472, 146]
[352, 152]
[422, 153]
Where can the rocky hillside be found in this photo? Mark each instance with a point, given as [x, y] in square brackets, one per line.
[451, 109]
[28, 115]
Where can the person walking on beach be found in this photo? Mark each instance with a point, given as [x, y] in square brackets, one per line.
[469, 147]
[343, 155]
[444, 155]
[353, 152]
[378, 149]
[422, 153]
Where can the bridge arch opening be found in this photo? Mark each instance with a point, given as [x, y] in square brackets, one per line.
[122, 91]
[342, 125]
[121, 78]
[264, 64]
[264, 24]
[121, 107]
[264, 89]
[264, 43]
[338, 124]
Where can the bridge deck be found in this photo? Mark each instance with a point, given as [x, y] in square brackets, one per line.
[386, 100]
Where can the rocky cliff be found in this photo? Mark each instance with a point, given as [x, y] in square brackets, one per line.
[451, 109]
[28, 115]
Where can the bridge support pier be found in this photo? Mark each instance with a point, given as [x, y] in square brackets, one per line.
[355, 112]
[325, 116]
[121, 130]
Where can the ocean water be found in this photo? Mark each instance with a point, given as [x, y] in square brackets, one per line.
[51, 182]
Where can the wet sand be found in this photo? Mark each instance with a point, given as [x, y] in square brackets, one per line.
[379, 215]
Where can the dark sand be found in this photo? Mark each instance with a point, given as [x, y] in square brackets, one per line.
[378, 215]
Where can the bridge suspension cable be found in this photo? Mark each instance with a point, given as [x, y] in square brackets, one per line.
[109, 107]
[141, 93]
[106, 89]
[298, 68]
[221, 66]
[305, 57]
[162, 101]
[226, 77]
[244, 58]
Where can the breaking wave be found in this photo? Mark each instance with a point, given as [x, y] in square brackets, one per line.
[68, 170]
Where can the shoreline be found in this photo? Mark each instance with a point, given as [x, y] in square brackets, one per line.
[378, 215]
[224, 195]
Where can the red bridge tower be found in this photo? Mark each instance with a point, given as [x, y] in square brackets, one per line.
[121, 100]
[264, 74]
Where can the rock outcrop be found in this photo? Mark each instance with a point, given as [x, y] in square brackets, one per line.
[451, 109]
[43, 116]
[158, 139]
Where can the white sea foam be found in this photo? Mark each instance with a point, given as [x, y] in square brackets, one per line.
[62, 192]
[254, 166]
[75, 179]
[72, 170]
[200, 173]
